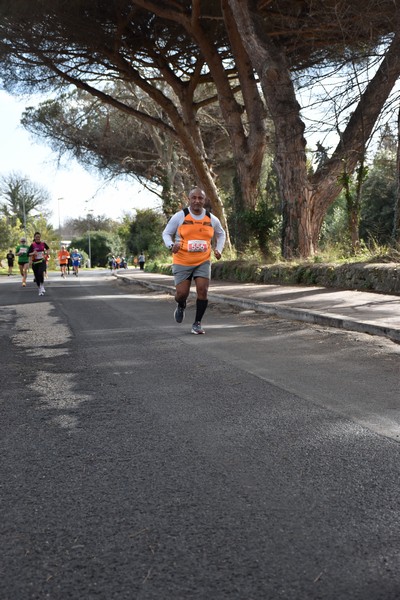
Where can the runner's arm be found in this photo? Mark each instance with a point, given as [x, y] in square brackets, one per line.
[169, 233]
[220, 235]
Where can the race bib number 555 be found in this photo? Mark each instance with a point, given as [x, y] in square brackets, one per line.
[197, 246]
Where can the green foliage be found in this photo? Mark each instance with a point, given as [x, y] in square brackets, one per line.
[261, 222]
[334, 232]
[159, 266]
[22, 203]
[9, 236]
[102, 243]
[20, 199]
[123, 229]
[376, 209]
[352, 184]
[378, 200]
[256, 229]
[146, 233]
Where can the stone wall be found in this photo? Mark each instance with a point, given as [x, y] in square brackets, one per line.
[372, 277]
[375, 277]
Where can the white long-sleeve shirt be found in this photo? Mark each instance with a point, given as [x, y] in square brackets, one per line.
[170, 234]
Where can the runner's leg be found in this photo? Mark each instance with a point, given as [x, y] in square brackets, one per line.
[202, 285]
[37, 275]
[182, 290]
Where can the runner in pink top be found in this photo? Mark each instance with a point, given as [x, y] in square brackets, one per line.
[38, 251]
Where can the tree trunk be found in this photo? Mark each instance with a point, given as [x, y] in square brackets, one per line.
[290, 156]
[303, 199]
[296, 202]
[246, 130]
[396, 216]
[248, 146]
[352, 216]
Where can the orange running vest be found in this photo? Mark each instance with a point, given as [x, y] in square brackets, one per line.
[63, 256]
[195, 239]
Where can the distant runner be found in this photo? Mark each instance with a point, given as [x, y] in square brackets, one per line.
[22, 251]
[10, 261]
[76, 258]
[63, 257]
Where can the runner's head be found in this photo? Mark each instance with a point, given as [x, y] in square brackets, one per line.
[197, 199]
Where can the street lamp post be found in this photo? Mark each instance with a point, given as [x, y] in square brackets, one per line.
[24, 213]
[90, 212]
[21, 189]
[90, 251]
[59, 218]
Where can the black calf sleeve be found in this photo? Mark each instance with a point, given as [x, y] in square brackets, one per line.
[201, 306]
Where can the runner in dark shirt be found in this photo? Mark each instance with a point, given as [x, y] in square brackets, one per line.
[10, 261]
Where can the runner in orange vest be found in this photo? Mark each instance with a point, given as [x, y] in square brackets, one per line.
[63, 257]
[189, 234]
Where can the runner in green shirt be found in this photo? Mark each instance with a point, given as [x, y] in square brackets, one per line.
[23, 259]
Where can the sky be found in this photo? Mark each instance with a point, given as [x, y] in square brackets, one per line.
[73, 190]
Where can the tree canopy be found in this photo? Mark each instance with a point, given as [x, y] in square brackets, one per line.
[102, 243]
[174, 50]
[100, 136]
[21, 199]
[144, 233]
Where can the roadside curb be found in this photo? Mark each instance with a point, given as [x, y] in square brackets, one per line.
[294, 314]
[309, 316]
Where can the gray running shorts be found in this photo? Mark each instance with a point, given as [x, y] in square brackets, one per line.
[181, 272]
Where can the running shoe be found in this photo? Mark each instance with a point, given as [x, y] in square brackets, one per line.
[179, 313]
[43, 290]
[23, 284]
[197, 328]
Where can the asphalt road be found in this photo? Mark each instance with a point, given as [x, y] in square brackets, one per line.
[260, 461]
